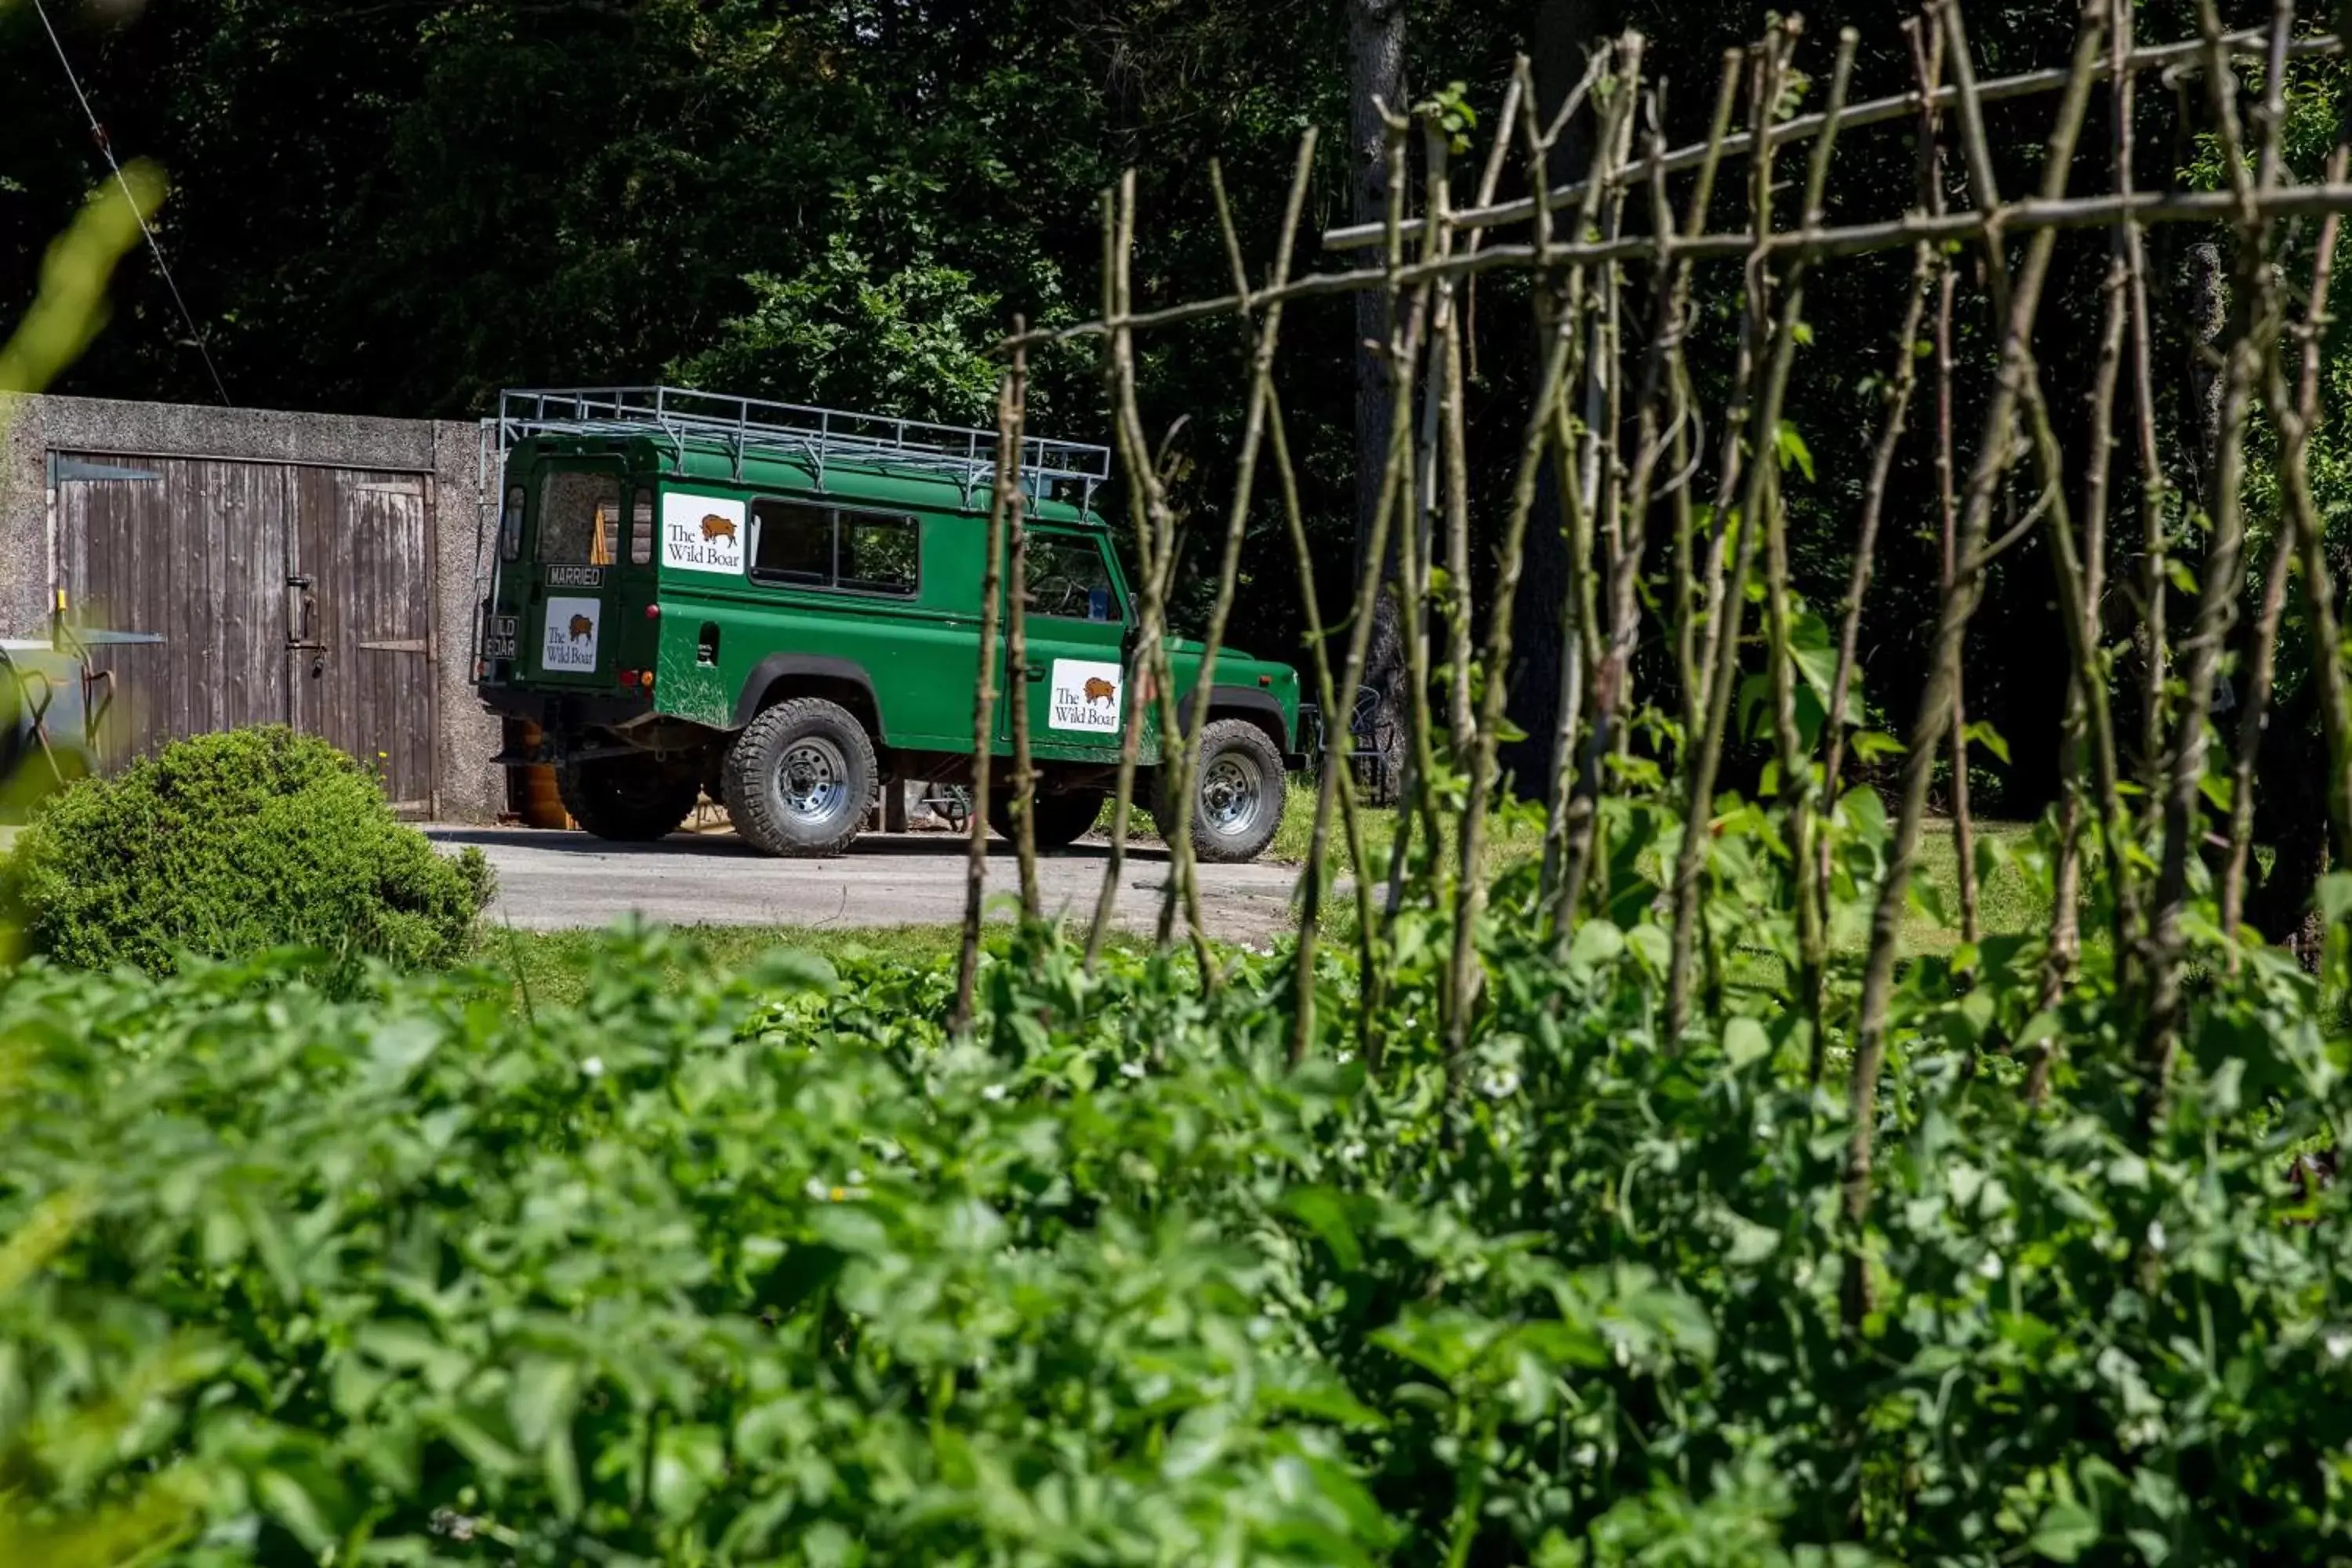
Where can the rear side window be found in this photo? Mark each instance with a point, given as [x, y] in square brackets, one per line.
[641, 531]
[579, 518]
[510, 524]
[824, 547]
[792, 542]
[1068, 579]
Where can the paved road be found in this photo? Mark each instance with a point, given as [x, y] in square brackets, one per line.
[549, 880]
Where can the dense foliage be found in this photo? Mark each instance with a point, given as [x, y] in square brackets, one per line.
[231, 843]
[397, 209]
[765, 1268]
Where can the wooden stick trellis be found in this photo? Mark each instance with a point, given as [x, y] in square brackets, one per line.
[1629, 454]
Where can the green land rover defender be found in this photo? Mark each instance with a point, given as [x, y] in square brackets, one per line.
[781, 607]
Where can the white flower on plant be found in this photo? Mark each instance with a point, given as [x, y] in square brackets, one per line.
[1584, 1456]
[1130, 1069]
[1989, 1266]
[1344, 1058]
[1498, 1083]
[593, 1067]
[2338, 1345]
[1353, 1151]
[2156, 1235]
[992, 1093]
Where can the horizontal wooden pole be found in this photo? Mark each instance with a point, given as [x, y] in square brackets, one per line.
[1855, 239]
[1804, 127]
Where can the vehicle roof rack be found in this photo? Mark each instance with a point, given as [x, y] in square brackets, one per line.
[818, 436]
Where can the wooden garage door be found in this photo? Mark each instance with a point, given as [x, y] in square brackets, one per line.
[283, 594]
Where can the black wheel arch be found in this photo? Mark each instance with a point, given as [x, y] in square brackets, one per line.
[782, 675]
[1249, 702]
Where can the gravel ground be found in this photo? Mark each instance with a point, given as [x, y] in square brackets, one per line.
[550, 881]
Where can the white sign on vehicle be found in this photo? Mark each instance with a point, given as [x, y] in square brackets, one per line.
[568, 639]
[702, 534]
[1085, 697]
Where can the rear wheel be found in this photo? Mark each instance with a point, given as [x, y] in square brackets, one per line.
[1058, 820]
[629, 800]
[1238, 794]
[800, 779]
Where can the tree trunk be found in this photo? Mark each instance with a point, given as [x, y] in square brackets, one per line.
[1375, 77]
[2291, 817]
[1565, 32]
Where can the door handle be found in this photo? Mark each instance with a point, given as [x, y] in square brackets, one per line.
[1032, 673]
[301, 613]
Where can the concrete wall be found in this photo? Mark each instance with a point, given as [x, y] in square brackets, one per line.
[468, 788]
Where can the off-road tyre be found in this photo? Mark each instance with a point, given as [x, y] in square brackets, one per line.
[1058, 820]
[1238, 794]
[628, 800]
[822, 802]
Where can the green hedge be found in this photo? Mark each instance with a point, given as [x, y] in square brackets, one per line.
[230, 844]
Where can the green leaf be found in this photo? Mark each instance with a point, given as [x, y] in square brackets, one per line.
[1793, 451]
[1869, 745]
[1745, 1042]
[1983, 734]
[1325, 1212]
[2334, 896]
[544, 1393]
[2066, 1531]
[1597, 941]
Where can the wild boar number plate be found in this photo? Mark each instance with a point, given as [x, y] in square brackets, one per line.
[498, 642]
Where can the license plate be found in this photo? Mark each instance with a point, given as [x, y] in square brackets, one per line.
[499, 641]
[575, 576]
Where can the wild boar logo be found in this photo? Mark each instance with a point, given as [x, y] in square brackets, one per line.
[704, 533]
[582, 628]
[1084, 697]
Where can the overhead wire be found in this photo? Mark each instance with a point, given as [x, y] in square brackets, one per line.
[98, 134]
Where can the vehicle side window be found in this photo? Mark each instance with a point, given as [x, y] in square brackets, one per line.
[1069, 580]
[792, 542]
[641, 530]
[578, 517]
[510, 524]
[820, 547]
[877, 553]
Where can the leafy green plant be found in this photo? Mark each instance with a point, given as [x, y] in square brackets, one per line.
[232, 844]
[755, 1262]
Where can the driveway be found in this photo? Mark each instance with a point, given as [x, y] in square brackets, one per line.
[549, 881]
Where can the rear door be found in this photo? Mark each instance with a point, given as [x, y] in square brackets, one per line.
[574, 554]
[1076, 620]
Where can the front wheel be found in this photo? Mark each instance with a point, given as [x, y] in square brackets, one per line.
[628, 800]
[1236, 798]
[1058, 820]
[799, 780]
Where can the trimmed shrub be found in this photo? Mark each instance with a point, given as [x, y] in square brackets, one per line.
[230, 844]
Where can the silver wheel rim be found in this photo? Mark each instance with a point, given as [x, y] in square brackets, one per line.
[1230, 796]
[812, 779]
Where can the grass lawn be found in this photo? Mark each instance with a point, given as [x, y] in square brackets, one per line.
[2006, 904]
[554, 967]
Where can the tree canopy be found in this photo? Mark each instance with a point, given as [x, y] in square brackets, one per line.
[398, 206]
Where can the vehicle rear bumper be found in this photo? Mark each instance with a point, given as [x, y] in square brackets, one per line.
[565, 711]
